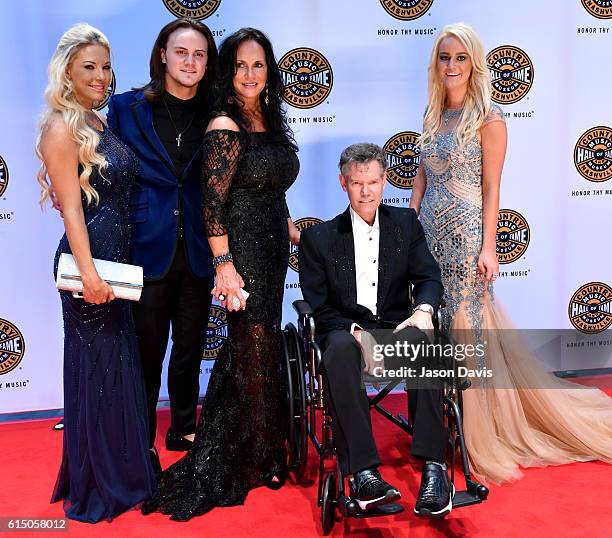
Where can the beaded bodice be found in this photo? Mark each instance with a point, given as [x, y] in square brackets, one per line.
[107, 221]
[451, 213]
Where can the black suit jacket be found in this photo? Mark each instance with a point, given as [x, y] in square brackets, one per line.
[327, 271]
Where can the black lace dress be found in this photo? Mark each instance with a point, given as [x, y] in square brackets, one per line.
[242, 429]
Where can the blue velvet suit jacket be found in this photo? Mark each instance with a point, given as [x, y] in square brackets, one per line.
[159, 196]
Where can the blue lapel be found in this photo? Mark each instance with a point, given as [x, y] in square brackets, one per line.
[143, 114]
[196, 155]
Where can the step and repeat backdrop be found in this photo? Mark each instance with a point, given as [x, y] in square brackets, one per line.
[354, 70]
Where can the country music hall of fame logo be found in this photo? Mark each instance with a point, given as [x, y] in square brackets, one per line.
[12, 346]
[110, 91]
[403, 156]
[593, 154]
[511, 74]
[589, 308]
[513, 236]
[4, 176]
[307, 77]
[196, 9]
[406, 10]
[301, 225]
[601, 9]
[216, 332]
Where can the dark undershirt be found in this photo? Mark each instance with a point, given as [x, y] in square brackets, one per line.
[168, 125]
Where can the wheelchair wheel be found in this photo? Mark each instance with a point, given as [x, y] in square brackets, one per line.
[297, 445]
[328, 506]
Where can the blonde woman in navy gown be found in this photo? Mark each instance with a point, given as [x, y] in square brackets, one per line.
[106, 468]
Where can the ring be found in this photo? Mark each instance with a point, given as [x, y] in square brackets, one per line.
[221, 297]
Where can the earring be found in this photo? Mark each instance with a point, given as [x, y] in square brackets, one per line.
[267, 97]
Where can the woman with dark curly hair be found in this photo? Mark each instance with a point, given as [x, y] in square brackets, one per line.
[249, 162]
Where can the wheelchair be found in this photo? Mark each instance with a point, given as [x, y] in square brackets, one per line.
[307, 409]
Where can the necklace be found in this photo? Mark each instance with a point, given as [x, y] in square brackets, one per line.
[180, 133]
[449, 114]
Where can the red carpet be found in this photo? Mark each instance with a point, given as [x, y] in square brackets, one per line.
[570, 500]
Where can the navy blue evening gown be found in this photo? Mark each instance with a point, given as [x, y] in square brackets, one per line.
[106, 468]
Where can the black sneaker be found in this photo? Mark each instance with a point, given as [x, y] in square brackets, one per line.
[436, 492]
[369, 490]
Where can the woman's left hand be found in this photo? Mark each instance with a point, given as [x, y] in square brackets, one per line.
[294, 236]
[227, 290]
[294, 233]
[488, 266]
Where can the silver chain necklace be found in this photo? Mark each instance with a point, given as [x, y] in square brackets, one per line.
[449, 114]
[180, 133]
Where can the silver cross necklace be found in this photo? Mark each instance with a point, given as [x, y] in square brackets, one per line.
[179, 137]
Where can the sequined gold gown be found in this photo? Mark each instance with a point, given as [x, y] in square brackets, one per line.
[532, 418]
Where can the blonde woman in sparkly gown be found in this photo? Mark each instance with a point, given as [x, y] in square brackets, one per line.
[532, 418]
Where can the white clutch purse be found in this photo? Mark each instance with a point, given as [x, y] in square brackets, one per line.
[126, 280]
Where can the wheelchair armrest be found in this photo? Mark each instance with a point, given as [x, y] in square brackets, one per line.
[318, 357]
[437, 315]
[306, 322]
[302, 308]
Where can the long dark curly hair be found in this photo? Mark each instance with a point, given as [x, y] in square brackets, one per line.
[226, 100]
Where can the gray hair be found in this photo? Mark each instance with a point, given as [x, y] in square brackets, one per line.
[362, 153]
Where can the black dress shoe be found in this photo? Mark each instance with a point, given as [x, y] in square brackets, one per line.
[157, 468]
[369, 490]
[176, 442]
[436, 492]
[276, 479]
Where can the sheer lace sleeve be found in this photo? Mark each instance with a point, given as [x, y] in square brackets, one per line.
[222, 151]
[495, 114]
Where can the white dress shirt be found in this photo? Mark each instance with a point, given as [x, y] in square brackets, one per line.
[366, 239]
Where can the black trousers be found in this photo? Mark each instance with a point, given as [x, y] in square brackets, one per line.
[182, 301]
[349, 407]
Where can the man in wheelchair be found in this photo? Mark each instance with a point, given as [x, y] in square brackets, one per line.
[355, 271]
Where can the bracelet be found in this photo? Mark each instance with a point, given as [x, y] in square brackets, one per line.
[424, 307]
[223, 258]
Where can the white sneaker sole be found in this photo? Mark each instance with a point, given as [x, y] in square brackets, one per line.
[438, 513]
[389, 497]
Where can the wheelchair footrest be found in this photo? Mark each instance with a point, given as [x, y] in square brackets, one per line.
[404, 421]
[465, 498]
[349, 508]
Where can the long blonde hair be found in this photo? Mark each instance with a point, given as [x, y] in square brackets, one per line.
[477, 102]
[60, 99]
